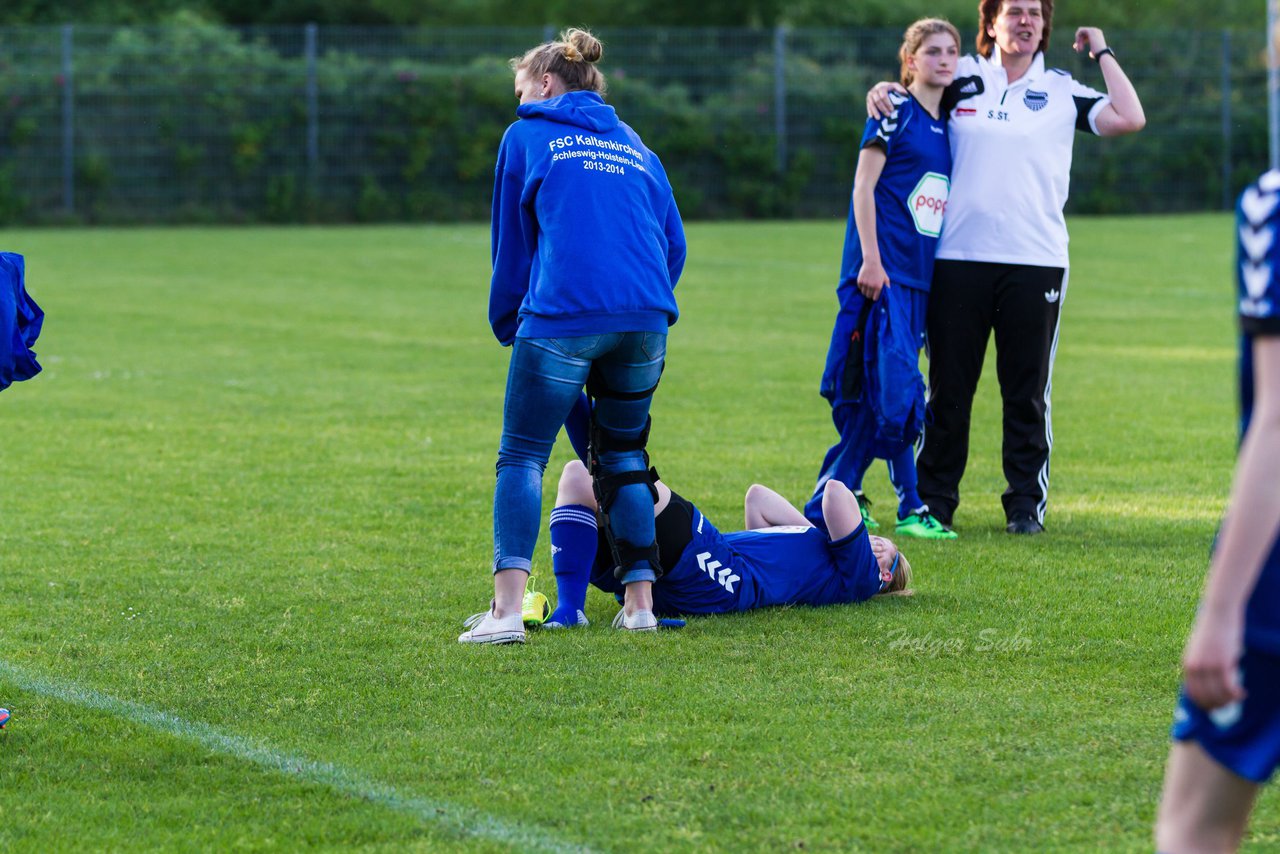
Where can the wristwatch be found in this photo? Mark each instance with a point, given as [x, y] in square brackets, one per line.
[1097, 57]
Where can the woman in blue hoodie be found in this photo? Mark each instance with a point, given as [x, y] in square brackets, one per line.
[587, 248]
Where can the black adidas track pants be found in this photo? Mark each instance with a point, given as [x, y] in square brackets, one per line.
[967, 300]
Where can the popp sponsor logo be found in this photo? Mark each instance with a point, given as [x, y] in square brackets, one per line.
[928, 203]
[932, 204]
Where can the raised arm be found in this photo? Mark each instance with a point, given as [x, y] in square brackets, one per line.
[1124, 114]
[767, 509]
[840, 510]
[1248, 532]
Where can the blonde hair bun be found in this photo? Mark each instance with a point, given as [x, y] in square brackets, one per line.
[580, 45]
[573, 59]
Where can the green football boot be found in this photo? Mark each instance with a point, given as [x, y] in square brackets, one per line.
[864, 507]
[921, 524]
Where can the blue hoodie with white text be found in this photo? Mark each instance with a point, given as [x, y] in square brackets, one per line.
[586, 235]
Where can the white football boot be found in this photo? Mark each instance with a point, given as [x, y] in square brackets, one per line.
[640, 621]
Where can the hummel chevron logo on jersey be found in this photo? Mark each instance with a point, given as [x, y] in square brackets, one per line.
[888, 126]
[1258, 206]
[1256, 242]
[1051, 296]
[1256, 278]
[725, 578]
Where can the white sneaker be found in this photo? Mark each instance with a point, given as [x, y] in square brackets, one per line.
[640, 621]
[486, 628]
[579, 620]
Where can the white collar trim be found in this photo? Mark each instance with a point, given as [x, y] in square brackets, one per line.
[1035, 72]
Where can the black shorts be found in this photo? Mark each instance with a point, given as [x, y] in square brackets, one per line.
[673, 528]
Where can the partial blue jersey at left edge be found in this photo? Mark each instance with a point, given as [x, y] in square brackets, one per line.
[20, 322]
[1258, 308]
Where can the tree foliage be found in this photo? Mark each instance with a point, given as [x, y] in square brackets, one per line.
[1125, 14]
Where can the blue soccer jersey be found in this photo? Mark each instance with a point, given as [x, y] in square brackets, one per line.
[911, 195]
[719, 573]
[1258, 217]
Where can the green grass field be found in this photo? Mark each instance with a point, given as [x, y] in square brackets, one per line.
[247, 505]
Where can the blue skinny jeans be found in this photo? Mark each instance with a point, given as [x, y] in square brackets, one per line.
[543, 383]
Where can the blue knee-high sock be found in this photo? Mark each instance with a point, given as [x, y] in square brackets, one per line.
[902, 472]
[573, 552]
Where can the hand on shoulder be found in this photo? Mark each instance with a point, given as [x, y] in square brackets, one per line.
[879, 100]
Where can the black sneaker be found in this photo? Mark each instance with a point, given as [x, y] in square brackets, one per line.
[1024, 524]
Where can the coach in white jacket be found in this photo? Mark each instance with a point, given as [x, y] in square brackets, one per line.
[1002, 258]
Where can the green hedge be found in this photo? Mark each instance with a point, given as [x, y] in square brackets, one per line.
[196, 122]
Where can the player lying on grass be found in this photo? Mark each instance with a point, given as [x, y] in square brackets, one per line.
[781, 559]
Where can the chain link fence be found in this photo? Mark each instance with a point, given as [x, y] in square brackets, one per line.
[200, 123]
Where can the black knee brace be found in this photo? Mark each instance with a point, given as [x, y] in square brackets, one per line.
[625, 554]
[597, 387]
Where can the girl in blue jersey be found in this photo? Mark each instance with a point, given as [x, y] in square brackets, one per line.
[781, 559]
[587, 247]
[899, 198]
[1227, 725]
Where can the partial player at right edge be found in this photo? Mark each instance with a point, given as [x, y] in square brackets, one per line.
[1227, 726]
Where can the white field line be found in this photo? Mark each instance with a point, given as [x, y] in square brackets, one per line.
[461, 820]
